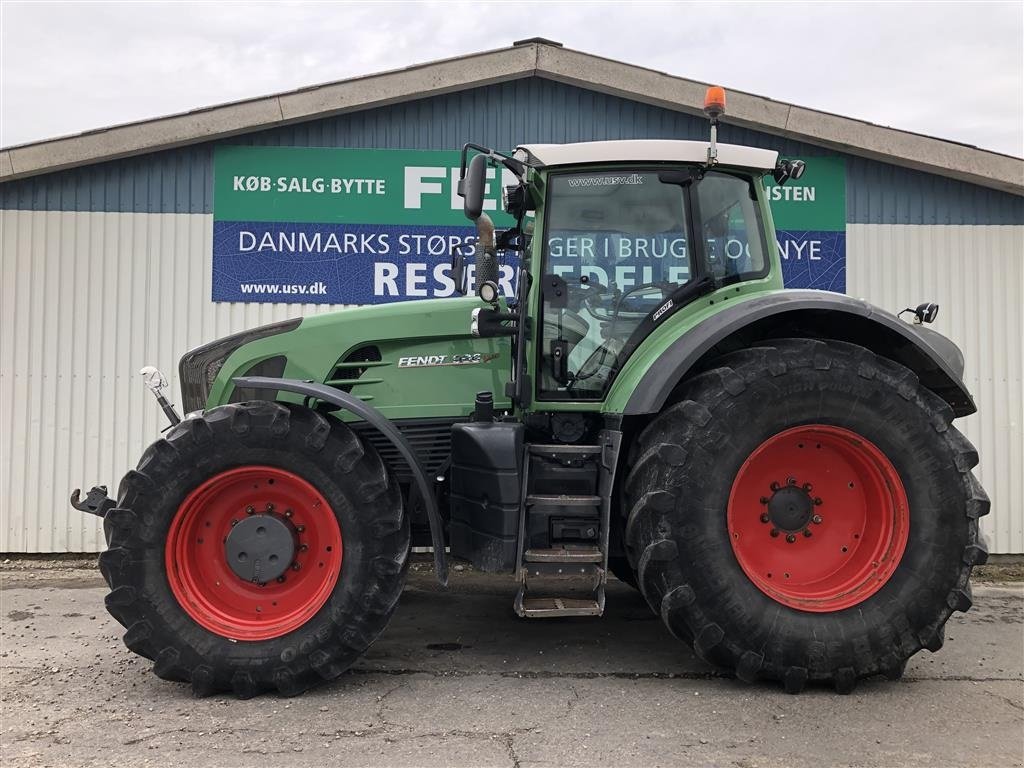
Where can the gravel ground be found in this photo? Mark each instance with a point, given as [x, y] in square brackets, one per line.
[457, 680]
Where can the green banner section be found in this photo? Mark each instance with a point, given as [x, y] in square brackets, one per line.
[816, 202]
[344, 186]
[390, 186]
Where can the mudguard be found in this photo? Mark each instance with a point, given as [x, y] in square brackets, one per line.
[816, 314]
[373, 417]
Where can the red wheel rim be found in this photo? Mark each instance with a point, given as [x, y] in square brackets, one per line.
[818, 518]
[212, 593]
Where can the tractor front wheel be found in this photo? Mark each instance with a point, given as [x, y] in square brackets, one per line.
[805, 513]
[258, 547]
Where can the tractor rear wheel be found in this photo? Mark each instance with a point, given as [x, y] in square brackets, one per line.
[258, 547]
[805, 512]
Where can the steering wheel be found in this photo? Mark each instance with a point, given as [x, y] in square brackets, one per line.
[606, 354]
[604, 310]
[602, 357]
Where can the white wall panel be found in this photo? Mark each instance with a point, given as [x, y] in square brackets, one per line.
[976, 274]
[86, 299]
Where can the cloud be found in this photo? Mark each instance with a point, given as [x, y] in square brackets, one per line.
[948, 70]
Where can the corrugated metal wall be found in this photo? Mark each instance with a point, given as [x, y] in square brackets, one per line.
[976, 275]
[108, 268]
[88, 299]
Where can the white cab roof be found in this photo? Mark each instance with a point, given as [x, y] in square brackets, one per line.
[646, 150]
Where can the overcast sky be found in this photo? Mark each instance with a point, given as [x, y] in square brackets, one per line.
[953, 70]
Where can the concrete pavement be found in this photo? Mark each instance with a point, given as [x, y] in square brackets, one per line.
[457, 680]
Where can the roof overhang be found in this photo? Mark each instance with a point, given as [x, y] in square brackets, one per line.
[529, 58]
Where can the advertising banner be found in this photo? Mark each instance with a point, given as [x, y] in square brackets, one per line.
[810, 225]
[368, 226]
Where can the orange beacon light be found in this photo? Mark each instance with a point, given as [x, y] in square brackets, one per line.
[714, 102]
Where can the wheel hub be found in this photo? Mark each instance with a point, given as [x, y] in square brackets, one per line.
[835, 513]
[790, 509]
[260, 548]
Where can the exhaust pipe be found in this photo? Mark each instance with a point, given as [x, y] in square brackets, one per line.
[485, 254]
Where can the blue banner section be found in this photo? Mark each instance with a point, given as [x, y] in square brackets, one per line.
[332, 264]
[373, 264]
[813, 259]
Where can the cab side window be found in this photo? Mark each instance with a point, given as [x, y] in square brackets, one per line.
[731, 226]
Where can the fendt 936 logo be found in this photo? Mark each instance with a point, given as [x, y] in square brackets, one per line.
[431, 361]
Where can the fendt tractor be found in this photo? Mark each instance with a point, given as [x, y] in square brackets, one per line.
[775, 470]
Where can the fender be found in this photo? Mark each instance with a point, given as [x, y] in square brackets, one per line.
[373, 417]
[811, 314]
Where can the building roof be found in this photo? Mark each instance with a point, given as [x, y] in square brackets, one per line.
[526, 58]
[647, 150]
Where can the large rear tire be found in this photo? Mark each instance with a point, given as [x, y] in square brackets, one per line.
[805, 513]
[258, 547]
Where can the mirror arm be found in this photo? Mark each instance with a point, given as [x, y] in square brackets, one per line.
[517, 167]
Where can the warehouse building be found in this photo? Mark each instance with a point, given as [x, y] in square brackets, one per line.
[128, 246]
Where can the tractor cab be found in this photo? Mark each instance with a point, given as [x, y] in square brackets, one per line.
[613, 238]
[623, 247]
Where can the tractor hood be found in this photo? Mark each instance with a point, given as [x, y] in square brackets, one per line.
[409, 359]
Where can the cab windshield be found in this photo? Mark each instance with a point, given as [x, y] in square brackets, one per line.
[617, 249]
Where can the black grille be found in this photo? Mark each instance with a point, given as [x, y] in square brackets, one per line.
[348, 367]
[431, 440]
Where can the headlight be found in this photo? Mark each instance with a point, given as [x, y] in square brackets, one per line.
[198, 368]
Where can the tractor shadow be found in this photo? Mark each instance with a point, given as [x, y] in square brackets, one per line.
[470, 628]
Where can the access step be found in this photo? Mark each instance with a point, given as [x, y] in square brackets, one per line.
[564, 451]
[562, 501]
[564, 555]
[554, 607]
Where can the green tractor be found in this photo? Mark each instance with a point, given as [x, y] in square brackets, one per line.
[775, 470]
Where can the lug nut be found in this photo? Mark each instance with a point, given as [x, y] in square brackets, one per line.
[774, 486]
[764, 518]
[765, 499]
[790, 538]
[270, 507]
[807, 487]
[288, 513]
[303, 547]
[234, 523]
[300, 528]
[816, 519]
[790, 481]
[807, 533]
[295, 566]
[817, 501]
[280, 579]
[250, 510]
[774, 532]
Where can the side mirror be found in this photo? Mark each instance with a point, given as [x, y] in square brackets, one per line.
[471, 187]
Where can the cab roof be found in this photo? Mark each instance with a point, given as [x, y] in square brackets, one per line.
[645, 150]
